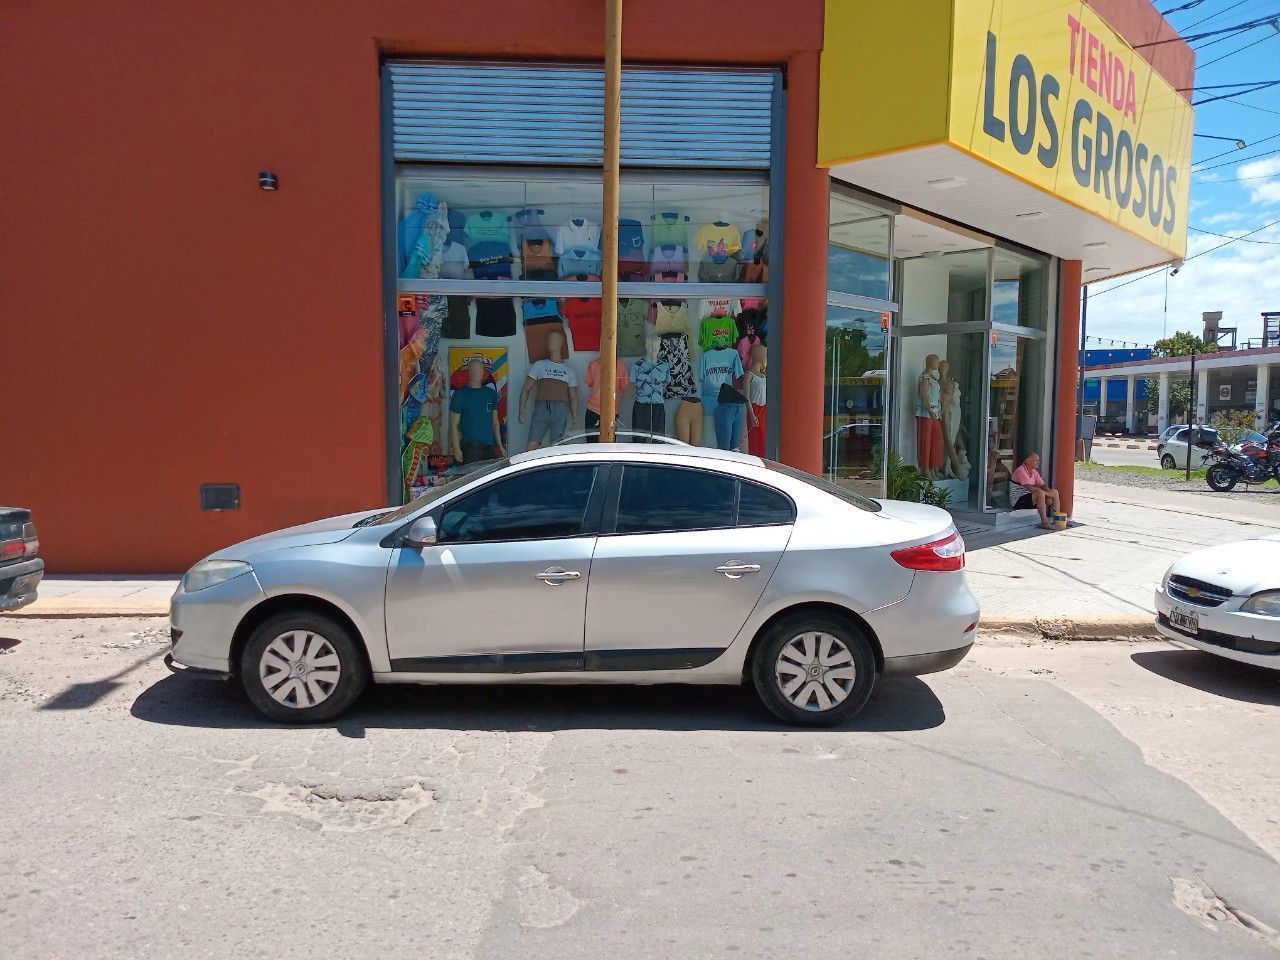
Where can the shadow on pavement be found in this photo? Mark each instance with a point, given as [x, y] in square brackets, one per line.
[84, 694]
[900, 704]
[8, 643]
[1216, 675]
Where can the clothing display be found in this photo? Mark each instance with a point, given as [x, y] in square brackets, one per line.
[688, 421]
[755, 246]
[455, 264]
[621, 382]
[577, 232]
[650, 379]
[583, 317]
[717, 241]
[670, 316]
[592, 421]
[716, 368]
[539, 308]
[669, 228]
[729, 420]
[550, 417]
[744, 346]
[673, 350]
[474, 406]
[537, 259]
[648, 418]
[632, 322]
[489, 245]
[928, 443]
[495, 317]
[527, 225]
[457, 227]
[554, 379]
[410, 230]
[717, 333]
[632, 270]
[536, 334]
[488, 226]
[668, 276]
[718, 306]
[577, 262]
[711, 270]
[476, 451]
[756, 434]
[630, 239]
[669, 259]
[457, 319]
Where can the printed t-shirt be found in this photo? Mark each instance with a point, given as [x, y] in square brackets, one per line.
[489, 245]
[718, 306]
[578, 232]
[632, 316]
[630, 239]
[669, 259]
[716, 333]
[583, 315]
[650, 379]
[711, 270]
[539, 308]
[488, 225]
[670, 228]
[716, 368]
[454, 262]
[554, 380]
[622, 381]
[716, 241]
[671, 316]
[673, 350]
[578, 261]
[475, 406]
[1027, 478]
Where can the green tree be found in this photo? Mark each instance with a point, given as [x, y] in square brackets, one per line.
[1181, 344]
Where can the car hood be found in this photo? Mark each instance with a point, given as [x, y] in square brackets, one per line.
[315, 533]
[1245, 566]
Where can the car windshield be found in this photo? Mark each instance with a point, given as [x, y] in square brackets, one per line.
[1253, 436]
[826, 486]
[433, 494]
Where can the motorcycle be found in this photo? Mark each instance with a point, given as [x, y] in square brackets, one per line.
[1249, 462]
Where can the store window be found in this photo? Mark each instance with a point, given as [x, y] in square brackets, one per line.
[500, 313]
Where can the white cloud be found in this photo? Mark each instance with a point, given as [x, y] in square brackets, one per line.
[1264, 191]
[1261, 168]
[1241, 280]
[1227, 216]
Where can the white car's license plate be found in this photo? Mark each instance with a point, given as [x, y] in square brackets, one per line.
[1185, 620]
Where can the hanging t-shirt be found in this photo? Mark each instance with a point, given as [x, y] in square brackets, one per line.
[539, 308]
[717, 241]
[716, 333]
[718, 306]
[457, 227]
[454, 262]
[553, 379]
[650, 379]
[621, 382]
[744, 346]
[489, 245]
[632, 270]
[669, 259]
[537, 258]
[583, 316]
[755, 245]
[673, 350]
[474, 406]
[711, 270]
[630, 237]
[578, 232]
[671, 316]
[669, 228]
[488, 226]
[578, 261]
[526, 224]
[457, 319]
[632, 318]
[495, 317]
[716, 368]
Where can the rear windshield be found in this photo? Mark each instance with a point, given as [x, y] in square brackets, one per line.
[826, 486]
[434, 494]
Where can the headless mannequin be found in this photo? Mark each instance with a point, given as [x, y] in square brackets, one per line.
[556, 353]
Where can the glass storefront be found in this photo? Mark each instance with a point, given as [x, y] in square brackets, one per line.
[500, 314]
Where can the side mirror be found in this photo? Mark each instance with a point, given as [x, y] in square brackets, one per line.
[421, 533]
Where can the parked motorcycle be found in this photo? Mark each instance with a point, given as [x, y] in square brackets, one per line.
[1250, 463]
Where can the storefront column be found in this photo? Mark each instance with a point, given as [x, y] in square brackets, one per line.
[1262, 395]
[1202, 395]
[1103, 384]
[804, 274]
[1130, 402]
[1162, 419]
[1064, 442]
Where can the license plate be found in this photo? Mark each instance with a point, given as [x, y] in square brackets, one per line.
[1185, 620]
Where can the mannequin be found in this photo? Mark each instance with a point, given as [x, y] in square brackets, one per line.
[755, 391]
[718, 370]
[553, 387]
[929, 419]
[474, 428]
[673, 349]
[622, 380]
[650, 375]
[956, 463]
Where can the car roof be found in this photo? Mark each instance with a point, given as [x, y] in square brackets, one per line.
[656, 453]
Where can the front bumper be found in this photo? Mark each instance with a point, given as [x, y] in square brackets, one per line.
[202, 624]
[1225, 631]
[19, 583]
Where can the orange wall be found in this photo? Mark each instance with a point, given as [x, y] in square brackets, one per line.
[165, 322]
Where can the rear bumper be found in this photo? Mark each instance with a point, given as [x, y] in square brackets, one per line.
[19, 582]
[919, 663]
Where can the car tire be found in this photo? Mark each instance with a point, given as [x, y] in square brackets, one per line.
[1168, 463]
[302, 667]
[795, 683]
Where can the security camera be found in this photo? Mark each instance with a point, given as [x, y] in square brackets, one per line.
[268, 180]
[1177, 265]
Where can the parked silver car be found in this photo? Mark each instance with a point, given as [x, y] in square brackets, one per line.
[590, 563]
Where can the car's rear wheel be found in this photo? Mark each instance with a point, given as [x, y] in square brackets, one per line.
[814, 670]
[1168, 462]
[302, 668]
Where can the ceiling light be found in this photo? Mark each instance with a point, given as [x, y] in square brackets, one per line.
[1097, 270]
[948, 183]
[1097, 245]
[1031, 215]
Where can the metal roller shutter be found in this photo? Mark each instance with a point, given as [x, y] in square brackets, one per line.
[481, 113]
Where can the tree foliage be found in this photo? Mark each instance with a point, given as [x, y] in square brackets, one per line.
[1182, 344]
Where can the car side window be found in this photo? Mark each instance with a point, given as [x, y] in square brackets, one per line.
[533, 505]
[1181, 436]
[761, 506]
[666, 499]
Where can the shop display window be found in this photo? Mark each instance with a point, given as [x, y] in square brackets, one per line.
[499, 311]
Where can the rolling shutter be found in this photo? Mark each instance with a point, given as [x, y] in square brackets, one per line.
[483, 113]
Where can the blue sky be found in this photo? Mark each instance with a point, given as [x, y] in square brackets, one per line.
[1230, 195]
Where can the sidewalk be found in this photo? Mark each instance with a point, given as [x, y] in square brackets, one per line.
[1095, 579]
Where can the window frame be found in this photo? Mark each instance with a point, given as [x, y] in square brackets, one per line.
[609, 522]
[590, 520]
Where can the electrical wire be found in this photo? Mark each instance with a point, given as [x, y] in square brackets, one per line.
[1227, 236]
[1237, 50]
[1274, 136]
[1214, 16]
[1256, 156]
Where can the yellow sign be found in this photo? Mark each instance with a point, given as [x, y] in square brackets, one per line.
[1044, 90]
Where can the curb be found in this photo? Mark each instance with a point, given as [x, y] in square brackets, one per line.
[1115, 627]
[56, 608]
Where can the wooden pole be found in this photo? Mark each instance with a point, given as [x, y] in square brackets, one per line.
[609, 241]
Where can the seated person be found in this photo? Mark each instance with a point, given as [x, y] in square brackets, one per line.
[1036, 493]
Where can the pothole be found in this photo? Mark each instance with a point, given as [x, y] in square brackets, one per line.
[347, 808]
[1196, 899]
[543, 903]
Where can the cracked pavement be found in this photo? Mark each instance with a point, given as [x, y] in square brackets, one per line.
[1103, 800]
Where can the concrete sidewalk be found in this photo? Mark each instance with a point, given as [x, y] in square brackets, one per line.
[1094, 580]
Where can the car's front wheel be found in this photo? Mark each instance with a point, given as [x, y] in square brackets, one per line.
[814, 670]
[302, 668]
[1168, 462]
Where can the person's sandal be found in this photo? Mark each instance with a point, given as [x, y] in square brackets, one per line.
[1047, 526]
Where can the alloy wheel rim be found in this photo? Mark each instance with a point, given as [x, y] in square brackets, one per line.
[300, 669]
[815, 671]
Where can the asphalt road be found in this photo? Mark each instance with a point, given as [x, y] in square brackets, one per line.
[1001, 810]
[1122, 456]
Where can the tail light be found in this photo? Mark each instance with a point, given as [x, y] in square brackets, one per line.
[30, 540]
[944, 554]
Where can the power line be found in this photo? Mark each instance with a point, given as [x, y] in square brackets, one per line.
[1214, 16]
[1227, 236]
[1274, 136]
[1256, 156]
[1232, 53]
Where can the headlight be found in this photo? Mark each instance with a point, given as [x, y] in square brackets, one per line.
[1266, 604]
[209, 573]
[1164, 583]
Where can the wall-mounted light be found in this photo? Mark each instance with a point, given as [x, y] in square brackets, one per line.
[1097, 270]
[1031, 215]
[948, 183]
[1097, 245]
[268, 180]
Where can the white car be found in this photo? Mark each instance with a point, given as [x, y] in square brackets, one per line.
[1171, 446]
[1225, 600]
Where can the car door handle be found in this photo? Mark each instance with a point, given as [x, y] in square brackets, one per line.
[734, 569]
[556, 575]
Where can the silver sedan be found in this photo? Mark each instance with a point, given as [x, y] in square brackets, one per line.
[590, 563]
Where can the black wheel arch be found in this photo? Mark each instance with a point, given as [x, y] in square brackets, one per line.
[815, 608]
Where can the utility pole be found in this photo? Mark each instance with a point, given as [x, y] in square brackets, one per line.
[1084, 326]
[609, 242]
[1191, 406]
